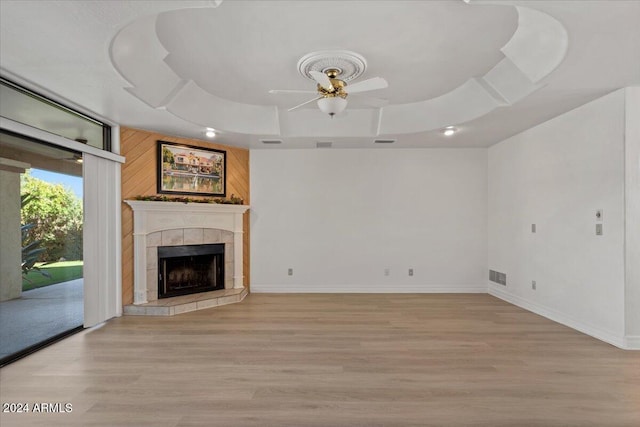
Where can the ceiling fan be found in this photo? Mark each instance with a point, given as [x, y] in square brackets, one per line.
[332, 92]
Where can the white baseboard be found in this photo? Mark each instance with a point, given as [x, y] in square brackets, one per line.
[359, 289]
[632, 342]
[556, 316]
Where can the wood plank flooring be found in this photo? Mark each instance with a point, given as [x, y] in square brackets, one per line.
[331, 360]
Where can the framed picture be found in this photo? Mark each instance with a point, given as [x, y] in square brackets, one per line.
[196, 171]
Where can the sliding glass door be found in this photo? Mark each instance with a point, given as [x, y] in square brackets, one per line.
[41, 246]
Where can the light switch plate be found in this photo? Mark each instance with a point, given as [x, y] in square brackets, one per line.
[598, 229]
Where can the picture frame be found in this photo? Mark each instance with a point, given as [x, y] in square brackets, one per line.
[191, 170]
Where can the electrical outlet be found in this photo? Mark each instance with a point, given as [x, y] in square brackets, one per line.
[387, 271]
[290, 272]
[533, 285]
[411, 272]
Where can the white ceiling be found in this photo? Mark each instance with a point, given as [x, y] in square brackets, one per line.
[178, 66]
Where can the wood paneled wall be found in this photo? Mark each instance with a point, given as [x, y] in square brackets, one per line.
[139, 147]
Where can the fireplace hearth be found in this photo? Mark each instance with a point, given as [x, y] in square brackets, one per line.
[190, 269]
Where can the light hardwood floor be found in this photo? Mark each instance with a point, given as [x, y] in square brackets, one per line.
[332, 360]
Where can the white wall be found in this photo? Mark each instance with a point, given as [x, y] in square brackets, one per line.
[340, 217]
[632, 216]
[557, 175]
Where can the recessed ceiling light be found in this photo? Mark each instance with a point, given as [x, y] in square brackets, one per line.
[210, 133]
[449, 130]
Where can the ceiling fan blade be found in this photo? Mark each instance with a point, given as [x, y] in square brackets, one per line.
[304, 103]
[291, 91]
[369, 84]
[322, 79]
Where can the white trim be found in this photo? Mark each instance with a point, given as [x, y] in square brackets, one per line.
[177, 208]
[552, 314]
[39, 134]
[117, 243]
[115, 139]
[372, 289]
[632, 342]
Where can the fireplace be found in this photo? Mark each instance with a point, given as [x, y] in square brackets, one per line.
[166, 224]
[190, 269]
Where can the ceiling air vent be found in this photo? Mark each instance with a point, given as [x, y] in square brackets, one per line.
[324, 144]
[271, 141]
[384, 141]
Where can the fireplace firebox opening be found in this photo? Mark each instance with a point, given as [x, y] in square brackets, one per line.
[190, 269]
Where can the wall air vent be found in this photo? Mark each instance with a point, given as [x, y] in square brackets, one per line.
[497, 277]
[384, 141]
[271, 141]
[324, 144]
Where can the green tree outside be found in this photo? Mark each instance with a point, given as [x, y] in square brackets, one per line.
[56, 214]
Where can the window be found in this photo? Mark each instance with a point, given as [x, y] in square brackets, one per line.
[26, 107]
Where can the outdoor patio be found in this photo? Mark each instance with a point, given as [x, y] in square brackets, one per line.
[40, 314]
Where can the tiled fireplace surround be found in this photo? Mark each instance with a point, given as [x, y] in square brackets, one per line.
[176, 224]
[186, 236]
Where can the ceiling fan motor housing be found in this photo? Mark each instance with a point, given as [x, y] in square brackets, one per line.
[338, 89]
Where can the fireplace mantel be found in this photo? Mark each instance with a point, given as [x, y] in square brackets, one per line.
[152, 216]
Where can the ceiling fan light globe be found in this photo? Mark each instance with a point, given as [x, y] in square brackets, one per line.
[332, 105]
